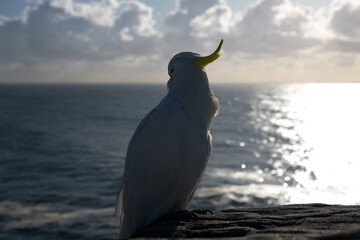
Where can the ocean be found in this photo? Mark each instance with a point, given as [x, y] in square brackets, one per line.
[62, 151]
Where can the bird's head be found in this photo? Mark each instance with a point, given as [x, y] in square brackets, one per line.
[189, 63]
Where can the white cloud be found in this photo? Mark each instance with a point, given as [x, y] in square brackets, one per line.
[215, 21]
[124, 33]
[66, 30]
[345, 24]
[102, 13]
[138, 16]
[177, 29]
[272, 27]
[125, 36]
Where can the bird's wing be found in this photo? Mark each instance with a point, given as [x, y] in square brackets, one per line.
[119, 202]
[153, 163]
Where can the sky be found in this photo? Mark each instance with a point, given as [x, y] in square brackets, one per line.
[113, 41]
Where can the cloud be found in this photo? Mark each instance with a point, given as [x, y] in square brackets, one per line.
[345, 24]
[64, 30]
[272, 27]
[102, 13]
[111, 34]
[178, 28]
[178, 21]
[269, 27]
[346, 18]
[213, 22]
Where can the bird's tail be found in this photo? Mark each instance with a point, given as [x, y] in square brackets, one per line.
[126, 223]
[119, 208]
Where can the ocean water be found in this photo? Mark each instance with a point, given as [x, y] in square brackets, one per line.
[62, 152]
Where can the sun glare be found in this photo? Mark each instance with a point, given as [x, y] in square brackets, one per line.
[329, 127]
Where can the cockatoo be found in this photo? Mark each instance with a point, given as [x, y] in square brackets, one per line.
[168, 153]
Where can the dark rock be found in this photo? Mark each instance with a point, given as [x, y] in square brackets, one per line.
[304, 221]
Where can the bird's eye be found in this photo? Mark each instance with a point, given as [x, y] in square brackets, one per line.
[171, 71]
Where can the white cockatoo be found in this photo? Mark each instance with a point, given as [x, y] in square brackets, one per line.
[168, 153]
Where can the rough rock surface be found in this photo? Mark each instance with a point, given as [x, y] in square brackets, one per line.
[305, 221]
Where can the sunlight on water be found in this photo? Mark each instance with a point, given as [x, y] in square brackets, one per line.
[330, 127]
[321, 124]
[279, 144]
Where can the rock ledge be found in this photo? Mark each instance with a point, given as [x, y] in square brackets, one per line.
[301, 221]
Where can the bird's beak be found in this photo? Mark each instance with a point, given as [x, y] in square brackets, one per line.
[203, 61]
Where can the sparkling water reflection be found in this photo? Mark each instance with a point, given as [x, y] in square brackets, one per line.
[287, 143]
[330, 131]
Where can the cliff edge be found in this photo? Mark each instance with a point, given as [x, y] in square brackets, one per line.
[301, 221]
